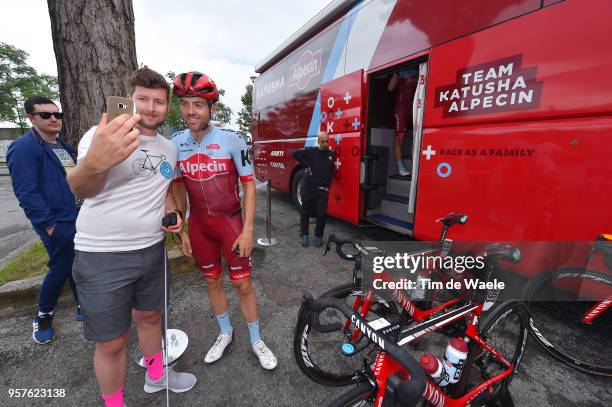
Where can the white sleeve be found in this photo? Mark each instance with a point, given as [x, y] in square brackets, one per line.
[86, 142]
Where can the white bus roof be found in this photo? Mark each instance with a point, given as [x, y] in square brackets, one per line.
[331, 12]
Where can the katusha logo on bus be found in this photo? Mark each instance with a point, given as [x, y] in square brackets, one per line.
[200, 167]
[307, 68]
[493, 87]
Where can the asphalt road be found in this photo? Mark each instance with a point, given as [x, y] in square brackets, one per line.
[282, 274]
[15, 228]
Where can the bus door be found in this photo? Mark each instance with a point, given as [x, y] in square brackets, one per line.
[341, 117]
[391, 163]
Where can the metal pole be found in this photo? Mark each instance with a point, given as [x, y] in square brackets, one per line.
[268, 240]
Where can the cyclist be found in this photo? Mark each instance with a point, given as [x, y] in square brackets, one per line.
[119, 264]
[210, 163]
[403, 84]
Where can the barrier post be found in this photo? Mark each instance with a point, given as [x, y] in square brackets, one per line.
[268, 240]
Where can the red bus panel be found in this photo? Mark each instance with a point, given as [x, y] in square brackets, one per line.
[553, 63]
[341, 107]
[546, 180]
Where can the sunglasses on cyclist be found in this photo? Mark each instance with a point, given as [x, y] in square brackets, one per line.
[47, 115]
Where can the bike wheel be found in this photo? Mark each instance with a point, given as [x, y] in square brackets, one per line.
[558, 302]
[360, 396]
[319, 355]
[139, 169]
[506, 329]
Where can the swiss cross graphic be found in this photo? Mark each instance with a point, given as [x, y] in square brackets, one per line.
[338, 163]
[347, 97]
[340, 98]
[429, 152]
[338, 138]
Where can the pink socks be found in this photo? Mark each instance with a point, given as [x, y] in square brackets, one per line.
[155, 367]
[115, 399]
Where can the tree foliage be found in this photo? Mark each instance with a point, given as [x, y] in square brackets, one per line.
[246, 113]
[176, 123]
[19, 81]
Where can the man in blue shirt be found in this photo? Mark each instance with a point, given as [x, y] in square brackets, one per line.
[38, 163]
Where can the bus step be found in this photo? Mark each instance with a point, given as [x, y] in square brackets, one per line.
[389, 222]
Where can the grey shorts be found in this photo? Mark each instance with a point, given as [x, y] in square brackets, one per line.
[110, 284]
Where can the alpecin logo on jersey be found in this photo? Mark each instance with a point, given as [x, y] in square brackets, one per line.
[200, 167]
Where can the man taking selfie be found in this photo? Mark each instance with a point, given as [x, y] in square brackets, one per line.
[124, 171]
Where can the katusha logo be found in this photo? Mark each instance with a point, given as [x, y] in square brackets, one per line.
[493, 87]
[307, 68]
[200, 167]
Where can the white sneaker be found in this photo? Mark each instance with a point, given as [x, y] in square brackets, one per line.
[222, 342]
[265, 355]
[403, 173]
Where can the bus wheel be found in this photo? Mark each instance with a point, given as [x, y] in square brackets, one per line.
[296, 188]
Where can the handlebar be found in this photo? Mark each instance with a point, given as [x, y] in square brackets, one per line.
[339, 243]
[410, 391]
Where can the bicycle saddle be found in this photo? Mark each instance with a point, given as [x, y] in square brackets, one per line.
[453, 218]
[503, 251]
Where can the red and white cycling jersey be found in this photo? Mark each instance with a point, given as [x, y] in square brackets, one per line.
[211, 170]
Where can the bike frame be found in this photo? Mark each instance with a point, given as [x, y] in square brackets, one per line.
[597, 310]
[416, 314]
[385, 366]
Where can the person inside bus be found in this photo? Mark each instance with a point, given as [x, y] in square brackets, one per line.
[403, 84]
[319, 164]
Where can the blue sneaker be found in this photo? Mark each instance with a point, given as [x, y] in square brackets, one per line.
[304, 240]
[318, 241]
[79, 316]
[42, 329]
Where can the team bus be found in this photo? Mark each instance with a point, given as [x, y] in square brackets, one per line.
[511, 114]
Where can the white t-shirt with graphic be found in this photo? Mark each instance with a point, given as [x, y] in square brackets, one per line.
[127, 213]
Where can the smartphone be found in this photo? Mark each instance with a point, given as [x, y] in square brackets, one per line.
[116, 106]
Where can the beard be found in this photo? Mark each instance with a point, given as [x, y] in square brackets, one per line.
[151, 125]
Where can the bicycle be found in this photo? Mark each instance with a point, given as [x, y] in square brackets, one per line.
[337, 365]
[570, 317]
[399, 380]
[144, 167]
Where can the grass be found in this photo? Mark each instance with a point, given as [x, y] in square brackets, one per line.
[33, 262]
[30, 263]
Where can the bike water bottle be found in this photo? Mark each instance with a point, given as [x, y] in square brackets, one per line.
[435, 369]
[454, 358]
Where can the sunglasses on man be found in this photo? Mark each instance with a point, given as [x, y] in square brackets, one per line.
[47, 115]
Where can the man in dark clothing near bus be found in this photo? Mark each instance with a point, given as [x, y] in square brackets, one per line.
[38, 163]
[319, 164]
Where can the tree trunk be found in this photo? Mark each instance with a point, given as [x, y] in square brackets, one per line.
[94, 44]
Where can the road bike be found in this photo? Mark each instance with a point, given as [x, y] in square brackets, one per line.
[570, 311]
[327, 357]
[497, 339]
